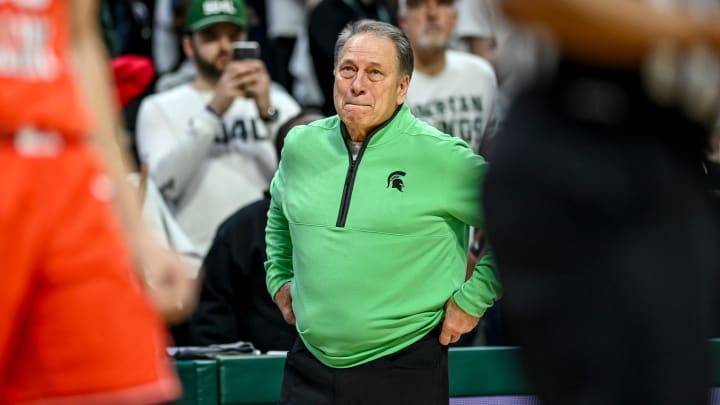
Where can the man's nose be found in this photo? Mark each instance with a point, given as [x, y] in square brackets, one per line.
[358, 83]
[226, 43]
[431, 8]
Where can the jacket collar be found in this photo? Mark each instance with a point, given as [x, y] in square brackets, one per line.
[388, 130]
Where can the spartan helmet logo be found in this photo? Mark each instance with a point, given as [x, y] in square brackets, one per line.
[395, 180]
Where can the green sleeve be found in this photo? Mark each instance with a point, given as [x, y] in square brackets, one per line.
[467, 174]
[482, 289]
[278, 267]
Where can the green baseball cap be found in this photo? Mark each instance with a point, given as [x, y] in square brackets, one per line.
[203, 13]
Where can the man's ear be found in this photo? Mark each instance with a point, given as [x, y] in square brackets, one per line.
[187, 46]
[403, 89]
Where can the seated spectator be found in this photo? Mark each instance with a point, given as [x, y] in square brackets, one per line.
[453, 91]
[208, 143]
[234, 303]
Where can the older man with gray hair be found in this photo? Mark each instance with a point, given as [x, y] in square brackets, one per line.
[366, 238]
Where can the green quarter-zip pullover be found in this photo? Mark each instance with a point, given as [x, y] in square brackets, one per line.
[375, 246]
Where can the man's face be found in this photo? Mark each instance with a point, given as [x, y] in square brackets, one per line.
[368, 87]
[429, 24]
[211, 48]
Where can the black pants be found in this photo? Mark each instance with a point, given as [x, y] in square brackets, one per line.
[606, 247]
[416, 375]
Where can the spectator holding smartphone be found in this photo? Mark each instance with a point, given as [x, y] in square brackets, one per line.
[208, 144]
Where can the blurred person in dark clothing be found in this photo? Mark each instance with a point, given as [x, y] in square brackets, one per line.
[597, 204]
[234, 303]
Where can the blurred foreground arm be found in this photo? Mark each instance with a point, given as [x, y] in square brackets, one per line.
[171, 289]
[612, 32]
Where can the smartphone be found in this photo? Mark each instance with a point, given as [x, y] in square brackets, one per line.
[246, 50]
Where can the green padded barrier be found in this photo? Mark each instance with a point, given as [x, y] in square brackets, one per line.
[250, 380]
[199, 380]
[473, 372]
[486, 371]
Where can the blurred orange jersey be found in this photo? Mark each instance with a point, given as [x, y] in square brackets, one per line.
[38, 89]
[75, 325]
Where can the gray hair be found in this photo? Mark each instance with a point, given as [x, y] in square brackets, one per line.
[382, 30]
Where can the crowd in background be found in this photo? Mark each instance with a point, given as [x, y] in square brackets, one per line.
[192, 187]
[195, 185]
[296, 40]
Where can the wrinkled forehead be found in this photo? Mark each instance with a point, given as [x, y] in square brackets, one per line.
[365, 39]
[369, 46]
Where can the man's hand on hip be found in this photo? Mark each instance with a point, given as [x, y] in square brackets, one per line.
[456, 323]
[283, 299]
